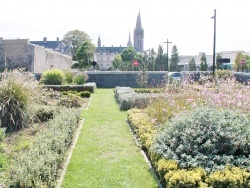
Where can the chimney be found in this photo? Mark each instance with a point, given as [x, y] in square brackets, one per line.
[44, 39]
[57, 39]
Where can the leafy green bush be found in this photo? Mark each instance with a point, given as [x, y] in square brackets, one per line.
[229, 177]
[44, 115]
[142, 126]
[39, 167]
[18, 92]
[84, 94]
[205, 137]
[68, 76]
[186, 178]
[80, 78]
[223, 74]
[53, 77]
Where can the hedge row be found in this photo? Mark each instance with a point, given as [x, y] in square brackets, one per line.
[86, 87]
[168, 170]
[127, 98]
[40, 166]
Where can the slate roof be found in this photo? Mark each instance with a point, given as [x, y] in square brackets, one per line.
[110, 50]
[48, 44]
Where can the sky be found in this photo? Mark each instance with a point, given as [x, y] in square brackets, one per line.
[185, 23]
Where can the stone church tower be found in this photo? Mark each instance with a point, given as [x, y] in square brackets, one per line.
[138, 35]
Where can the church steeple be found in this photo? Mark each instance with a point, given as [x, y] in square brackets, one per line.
[138, 35]
[138, 21]
[99, 44]
[129, 41]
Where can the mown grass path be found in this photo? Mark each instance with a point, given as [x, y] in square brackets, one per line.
[105, 154]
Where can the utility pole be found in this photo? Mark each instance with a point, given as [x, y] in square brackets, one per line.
[214, 17]
[167, 52]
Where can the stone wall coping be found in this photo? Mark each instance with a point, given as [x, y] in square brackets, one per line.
[125, 72]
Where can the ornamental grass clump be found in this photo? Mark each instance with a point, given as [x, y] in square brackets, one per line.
[53, 77]
[18, 92]
[205, 137]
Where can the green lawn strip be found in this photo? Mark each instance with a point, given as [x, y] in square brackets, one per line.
[105, 154]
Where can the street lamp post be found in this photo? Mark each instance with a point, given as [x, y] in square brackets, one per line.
[214, 17]
[167, 52]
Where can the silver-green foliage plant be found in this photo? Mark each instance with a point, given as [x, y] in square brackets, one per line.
[205, 137]
[80, 78]
[18, 91]
[39, 167]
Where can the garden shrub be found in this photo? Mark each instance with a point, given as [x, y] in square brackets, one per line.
[80, 78]
[70, 101]
[164, 166]
[68, 76]
[205, 137]
[39, 167]
[84, 94]
[53, 77]
[142, 126]
[223, 74]
[44, 115]
[18, 92]
[186, 178]
[127, 98]
[229, 177]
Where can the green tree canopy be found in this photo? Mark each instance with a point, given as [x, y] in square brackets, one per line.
[247, 62]
[175, 59]
[128, 55]
[151, 60]
[203, 65]
[192, 66]
[117, 62]
[84, 55]
[217, 62]
[160, 60]
[237, 61]
[75, 38]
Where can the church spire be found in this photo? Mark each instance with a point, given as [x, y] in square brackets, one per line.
[99, 44]
[138, 35]
[138, 22]
[129, 41]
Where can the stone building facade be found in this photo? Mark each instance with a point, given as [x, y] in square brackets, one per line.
[16, 53]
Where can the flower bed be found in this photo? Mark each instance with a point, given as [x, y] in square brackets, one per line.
[203, 142]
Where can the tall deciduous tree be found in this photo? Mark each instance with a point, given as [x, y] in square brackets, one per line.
[84, 55]
[117, 62]
[237, 61]
[75, 39]
[203, 65]
[151, 60]
[247, 62]
[192, 66]
[128, 55]
[175, 59]
[217, 62]
[160, 60]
